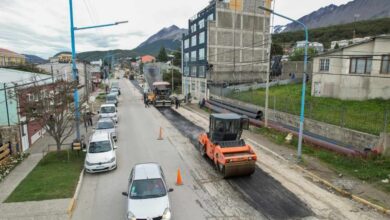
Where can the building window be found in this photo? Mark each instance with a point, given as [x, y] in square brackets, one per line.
[186, 57]
[210, 17]
[201, 54]
[186, 71]
[202, 87]
[324, 65]
[193, 70]
[186, 43]
[360, 65]
[201, 23]
[193, 41]
[201, 38]
[193, 56]
[193, 28]
[201, 71]
[193, 86]
[385, 67]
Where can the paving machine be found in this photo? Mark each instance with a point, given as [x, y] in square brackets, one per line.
[224, 146]
[159, 95]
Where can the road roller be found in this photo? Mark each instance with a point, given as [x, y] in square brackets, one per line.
[224, 146]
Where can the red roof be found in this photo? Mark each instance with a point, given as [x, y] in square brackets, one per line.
[147, 59]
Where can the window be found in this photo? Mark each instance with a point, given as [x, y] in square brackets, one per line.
[385, 67]
[210, 17]
[186, 57]
[186, 43]
[193, 41]
[201, 54]
[193, 56]
[193, 86]
[201, 71]
[193, 71]
[360, 65]
[186, 70]
[324, 65]
[193, 28]
[202, 87]
[201, 23]
[201, 38]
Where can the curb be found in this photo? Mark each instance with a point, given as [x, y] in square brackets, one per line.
[344, 193]
[72, 202]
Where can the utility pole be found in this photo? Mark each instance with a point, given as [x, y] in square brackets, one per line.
[266, 107]
[6, 102]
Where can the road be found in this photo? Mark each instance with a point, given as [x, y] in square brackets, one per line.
[204, 195]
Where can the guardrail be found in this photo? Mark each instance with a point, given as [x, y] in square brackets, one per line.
[4, 153]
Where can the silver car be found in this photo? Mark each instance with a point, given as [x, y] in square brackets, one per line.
[107, 125]
[147, 195]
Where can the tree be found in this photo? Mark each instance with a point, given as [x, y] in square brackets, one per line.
[51, 107]
[177, 59]
[276, 49]
[298, 54]
[162, 55]
[167, 76]
[337, 46]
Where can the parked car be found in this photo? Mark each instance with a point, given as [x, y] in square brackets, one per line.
[116, 86]
[107, 125]
[114, 91]
[108, 111]
[112, 98]
[101, 154]
[147, 194]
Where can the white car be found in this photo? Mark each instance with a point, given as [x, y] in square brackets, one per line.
[101, 154]
[107, 125]
[147, 195]
[108, 111]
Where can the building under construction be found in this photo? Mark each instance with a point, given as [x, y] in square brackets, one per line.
[227, 43]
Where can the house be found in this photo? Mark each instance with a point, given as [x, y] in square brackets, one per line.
[148, 59]
[10, 116]
[358, 71]
[10, 58]
[62, 57]
[344, 43]
[213, 56]
[319, 47]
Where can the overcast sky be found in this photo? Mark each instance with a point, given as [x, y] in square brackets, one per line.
[41, 27]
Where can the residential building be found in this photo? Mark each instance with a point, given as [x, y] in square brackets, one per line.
[62, 57]
[10, 58]
[148, 59]
[359, 71]
[344, 43]
[319, 47]
[227, 43]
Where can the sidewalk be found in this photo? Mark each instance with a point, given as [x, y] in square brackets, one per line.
[47, 209]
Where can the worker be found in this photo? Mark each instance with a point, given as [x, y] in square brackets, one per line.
[176, 102]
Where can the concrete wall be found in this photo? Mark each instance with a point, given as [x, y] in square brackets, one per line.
[295, 67]
[339, 83]
[347, 136]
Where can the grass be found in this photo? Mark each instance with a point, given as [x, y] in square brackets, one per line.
[366, 116]
[54, 177]
[371, 170]
[101, 96]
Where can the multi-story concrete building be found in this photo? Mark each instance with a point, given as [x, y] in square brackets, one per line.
[227, 43]
[10, 58]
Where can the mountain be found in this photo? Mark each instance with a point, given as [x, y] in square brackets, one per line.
[357, 10]
[168, 37]
[34, 59]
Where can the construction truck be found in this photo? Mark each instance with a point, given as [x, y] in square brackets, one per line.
[224, 146]
[159, 94]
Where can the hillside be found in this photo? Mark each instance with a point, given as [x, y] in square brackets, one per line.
[357, 10]
[169, 37]
[34, 59]
[327, 34]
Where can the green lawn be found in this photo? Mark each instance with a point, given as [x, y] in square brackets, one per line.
[53, 178]
[371, 170]
[366, 116]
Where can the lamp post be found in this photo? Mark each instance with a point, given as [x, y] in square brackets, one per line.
[302, 114]
[74, 68]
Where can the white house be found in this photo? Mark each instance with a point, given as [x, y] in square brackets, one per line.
[359, 71]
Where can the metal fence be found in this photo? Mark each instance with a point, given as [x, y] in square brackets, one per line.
[370, 118]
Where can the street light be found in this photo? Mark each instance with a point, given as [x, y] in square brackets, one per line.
[74, 68]
[302, 116]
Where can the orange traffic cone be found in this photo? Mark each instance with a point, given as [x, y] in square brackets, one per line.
[179, 181]
[160, 135]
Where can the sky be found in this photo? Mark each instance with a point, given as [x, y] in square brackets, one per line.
[42, 27]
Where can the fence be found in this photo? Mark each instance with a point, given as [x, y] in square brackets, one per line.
[370, 117]
[4, 152]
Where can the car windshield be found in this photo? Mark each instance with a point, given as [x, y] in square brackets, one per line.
[108, 109]
[148, 188]
[105, 125]
[99, 146]
[114, 90]
[111, 98]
